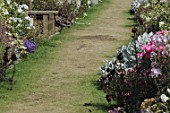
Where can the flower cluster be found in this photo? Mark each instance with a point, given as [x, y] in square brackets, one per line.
[16, 26]
[153, 13]
[138, 3]
[15, 17]
[156, 52]
[160, 104]
[30, 45]
[139, 65]
[142, 64]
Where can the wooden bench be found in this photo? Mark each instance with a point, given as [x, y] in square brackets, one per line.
[48, 20]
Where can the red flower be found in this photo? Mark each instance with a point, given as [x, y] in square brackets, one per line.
[120, 56]
[7, 47]
[134, 30]
[13, 57]
[108, 98]
[5, 59]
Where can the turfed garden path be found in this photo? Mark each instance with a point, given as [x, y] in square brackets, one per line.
[66, 82]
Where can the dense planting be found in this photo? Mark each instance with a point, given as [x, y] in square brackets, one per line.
[138, 77]
[17, 28]
[15, 25]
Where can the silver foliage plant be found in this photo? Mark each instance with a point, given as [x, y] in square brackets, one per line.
[128, 53]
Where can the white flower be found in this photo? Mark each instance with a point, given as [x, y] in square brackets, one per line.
[161, 23]
[28, 18]
[148, 19]
[19, 25]
[163, 1]
[5, 11]
[15, 20]
[85, 14]
[20, 20]
[20, 10]
[8, 1]
[168, 90]
[28, 27]
[164, 98]
[89, 2]
[69, 1]
[30, 21]
[24, 6]
[15, 4]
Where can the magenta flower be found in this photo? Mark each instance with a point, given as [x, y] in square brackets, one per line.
[161, 32]
[148, 48]
[140, 54]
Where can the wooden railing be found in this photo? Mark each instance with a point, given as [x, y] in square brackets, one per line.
[48, 20]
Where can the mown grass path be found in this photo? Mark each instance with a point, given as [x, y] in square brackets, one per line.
[61, 81]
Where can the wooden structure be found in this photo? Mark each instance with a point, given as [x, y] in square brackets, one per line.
[48, 18]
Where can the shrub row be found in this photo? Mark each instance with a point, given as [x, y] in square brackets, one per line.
[138, 76]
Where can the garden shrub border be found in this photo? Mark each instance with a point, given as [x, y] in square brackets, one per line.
[142, 64]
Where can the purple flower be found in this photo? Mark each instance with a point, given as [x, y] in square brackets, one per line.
[30, 45]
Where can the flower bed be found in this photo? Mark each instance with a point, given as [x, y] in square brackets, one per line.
[16, 25]
[138, 76]
[154, 14]
[68, 12]
[17, 29]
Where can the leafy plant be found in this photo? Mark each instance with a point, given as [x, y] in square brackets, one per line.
[16, 25]
[139, 65]
[154, 14]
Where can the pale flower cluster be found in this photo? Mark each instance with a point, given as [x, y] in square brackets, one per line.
[165, 98]
[16, 17]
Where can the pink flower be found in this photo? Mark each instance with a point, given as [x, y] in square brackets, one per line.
[156, 49]
[151, 37]
[152, 42]
[148, 48]
[161, 32]
[161, 48]
[140, 54]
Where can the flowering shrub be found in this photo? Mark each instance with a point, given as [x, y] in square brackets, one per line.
[153, 13]
[15, 16]
[16, 26]
[137, 4]
[138, 74]
[157, 105]
[17, 22]
[142, 64]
